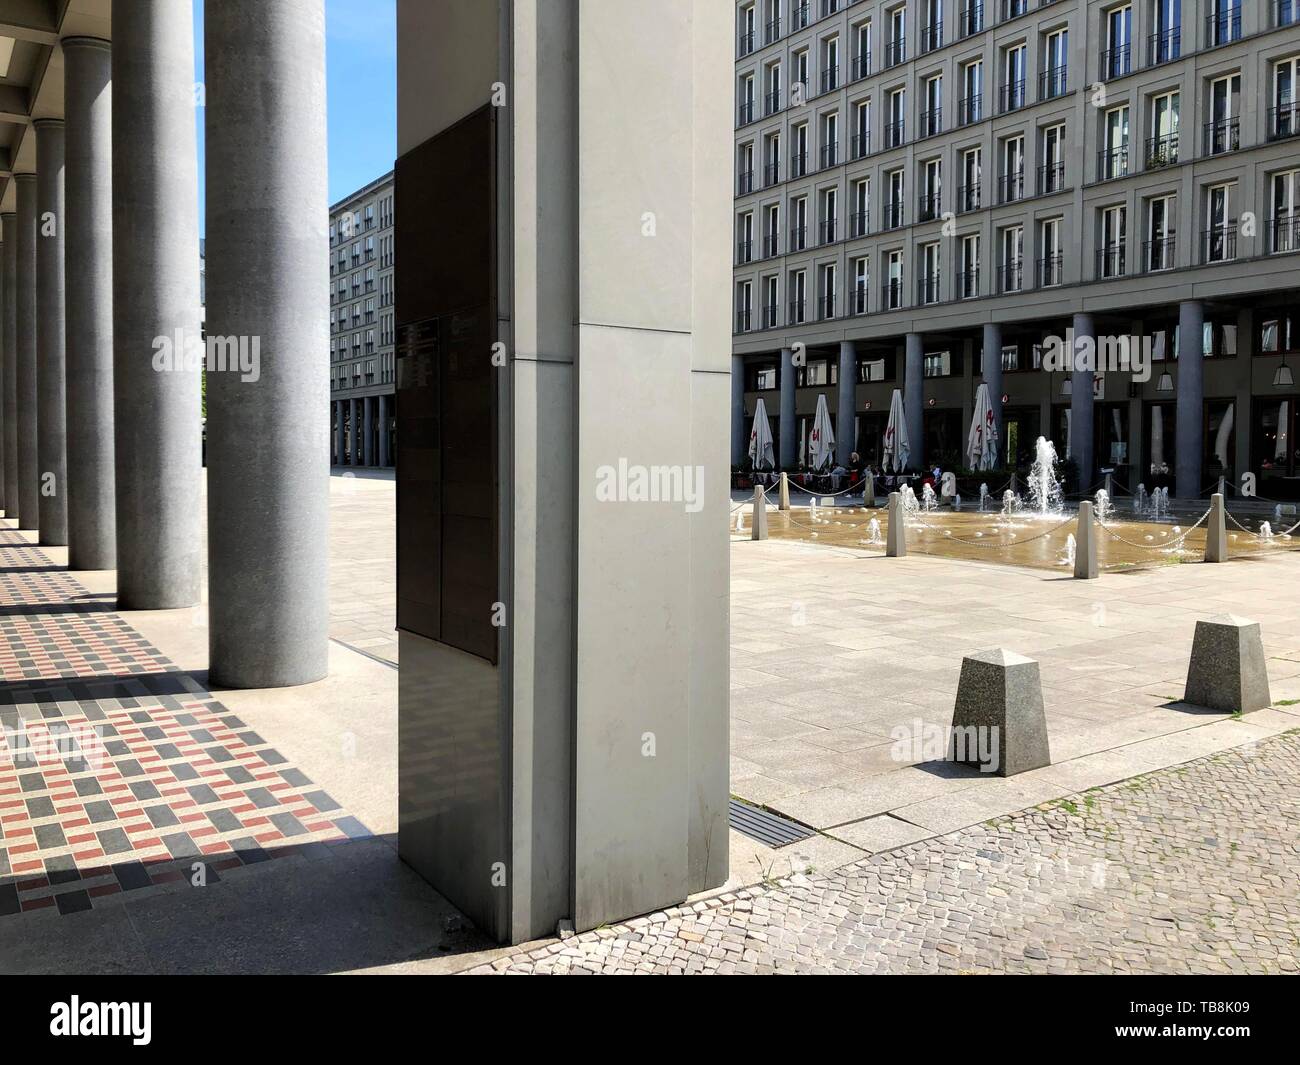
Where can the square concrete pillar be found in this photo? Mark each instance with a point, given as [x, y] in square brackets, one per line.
[1085, 544]
[998, 722]
[758, 514]
[896, 533]
[1227, 670]
[1216, 530]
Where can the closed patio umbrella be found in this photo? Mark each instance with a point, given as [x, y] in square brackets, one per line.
[982, 442]
[897, 449]
[760, 439]
[821, 444]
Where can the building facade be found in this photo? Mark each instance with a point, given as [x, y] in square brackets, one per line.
[927, 191]
[361, 326]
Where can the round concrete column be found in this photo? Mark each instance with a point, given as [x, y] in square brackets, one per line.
[4, 383]
[156, 411]
[51, 381]
[383, 430]
[739, 447]
[846, 437]
[9, 371]
[368, 428]
[268, 278]
[29, 485]
[1190, 419]
[914, 399]
[993, 376]
[88, 184]
[354, 435]
[785, 422]
[1081, 404]
[339, 424]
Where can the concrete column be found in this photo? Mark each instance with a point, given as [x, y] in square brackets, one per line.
[789, 439]
[29, 487]
[92, 531]
[156, 414]
[384, 459]
[9, 373]
[914, 399]
[354, 437]
[4, 384]
[846, 437]
[51, 390]
[1190, 418]
[368, 429]
[268, 505]
[340, 425]
[1081, 420]
[993, 377]
[739, 439]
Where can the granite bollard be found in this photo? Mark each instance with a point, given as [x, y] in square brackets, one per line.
[896, 534]
[1216, 531]
[998, 722]
[784, 500]
[1085, 544]
[1227, 669]
[758, 520]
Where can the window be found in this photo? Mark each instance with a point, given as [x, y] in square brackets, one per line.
[827, 302]
[1010, 259]
[799, 157]
[772, 159]
[1051, 174]
[1162, 145]
[1114, 238]
[861, 128]
[1113, 159]
[1056, 51]
[932, 116]
[937, 364]
[747, 19]
[1284, 226]
[971, 107]
[1158, 250]
[1117, 58]
[970, 18]
[968, 279]
[896, 46]
[799, 88]
[799, 223]
[830, 139]
[861, 283]
[745, 169]
[1013, 78]
[1013, 168]
[932, 25]
[829, 214]
[1222, 23]
[1050, 253]
[798, 296]
[931, 202]
[861, 207]
[1284, 112]
[830, 64]
[745, 237]
[894, 129]
[1165, 42]
[968, 194]
[773, 95]
[862, 61]
[771, 301]
[894, 280]
[894, 201]
[1222, 131]
[1220, 240]
[745, 112]
[772, 230]
[928, 280]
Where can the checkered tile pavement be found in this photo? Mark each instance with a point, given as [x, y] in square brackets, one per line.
[119, 773]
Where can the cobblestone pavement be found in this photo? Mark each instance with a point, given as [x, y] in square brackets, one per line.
[1190, 869]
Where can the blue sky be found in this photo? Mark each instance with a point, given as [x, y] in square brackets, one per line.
[361, 89]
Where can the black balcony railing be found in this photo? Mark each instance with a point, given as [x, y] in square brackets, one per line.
[1116, 62]
[858, 224]
[858, 299]
[798, 238]
[773, 101]
[798, 164]
[1011, 187]
[894, 134]
[826, 307]
[893, 216]
[1011, 97]
[745, 182]
[769, 317]
[927, 289]
[1164, 46]
[831, 78]
[1286, 12]
[895, 52]
[742, 321]
[826, 230]
[1049, 270]
[860, 144]
[968, 198]
[1010, 276]
[931, 122]
[746, 42]
[1161, 151]
[1219, 243]
[891, 294]
[928, 207]
[1112, 163]
[1013, 8]
[1051, 178]
[1283, 120]
[968, 284]
[800, 17]
[1052, 82]
[745, 113]
[796, 311]
[830, 154]
[771, 245]
[932, 36]
[1284, 232]
[1158, 254]
[744, 251]
[1111, 261]
[1222, 136]
[772, 31]
[1222, 27]
[861, 65]
[970, 109]
[970, 20]
[771, 173]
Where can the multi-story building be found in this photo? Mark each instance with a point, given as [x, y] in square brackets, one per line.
[361, 326]
[927, 190]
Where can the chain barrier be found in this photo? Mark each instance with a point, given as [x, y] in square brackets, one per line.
[986, 545]
[1152, 547]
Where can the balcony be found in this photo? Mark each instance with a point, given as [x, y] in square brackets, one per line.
[1161, 151]
[970, 109]
[1286, 12]
[858, 224]
[830, 78]
[1164, 47]
[1051, 178]
[928, 207]
[1049, 270]
[743, 324]
[744, 182]
[895, 52]
[1116, 62]
[968, 284]
[746, 43]
[970, 20]
[1011, 97]
[1284, 233]
[1112, 163]
[891, 294]
[894, 134]
[771, 174]
[1010, 276]
[798, 238]
[1222, 28]
[968, 198]
[772, 31]
[830, 154]
[1219, 243]
[744, 252]
[858, 299]
[826, 308]
[1052, 83]
[927, 289]
[893, 215]
[1013, 8]
[772, 101]
[799, 164]
[745, 113]
[826, 231]
[771, 246]
[860, 144]
[1283, 121]
[932, 36]
[1111, 261]
[1222, 136]
[931, 122]
[861, 65]
[1158, 254]
[769, 317]
[796, 312]
[1011, 187]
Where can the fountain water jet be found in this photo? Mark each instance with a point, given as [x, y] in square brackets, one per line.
[1044, 489]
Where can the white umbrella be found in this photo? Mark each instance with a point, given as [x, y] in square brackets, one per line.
[898, 449]
[760, 439]
[982, 442]
[1221, 439]
[821, 444]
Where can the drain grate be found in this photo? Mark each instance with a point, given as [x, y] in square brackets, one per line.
[765, 826]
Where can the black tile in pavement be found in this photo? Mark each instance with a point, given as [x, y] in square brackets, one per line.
[132, 875]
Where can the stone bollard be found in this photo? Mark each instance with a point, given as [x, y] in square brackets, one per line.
[758, 519]
[1227, 670]
[1085, 544]
[1216, 531]
[784, 498]
[869, 490]
[998, 722]
[896, 534]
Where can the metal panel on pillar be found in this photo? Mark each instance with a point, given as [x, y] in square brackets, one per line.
[25, 343]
